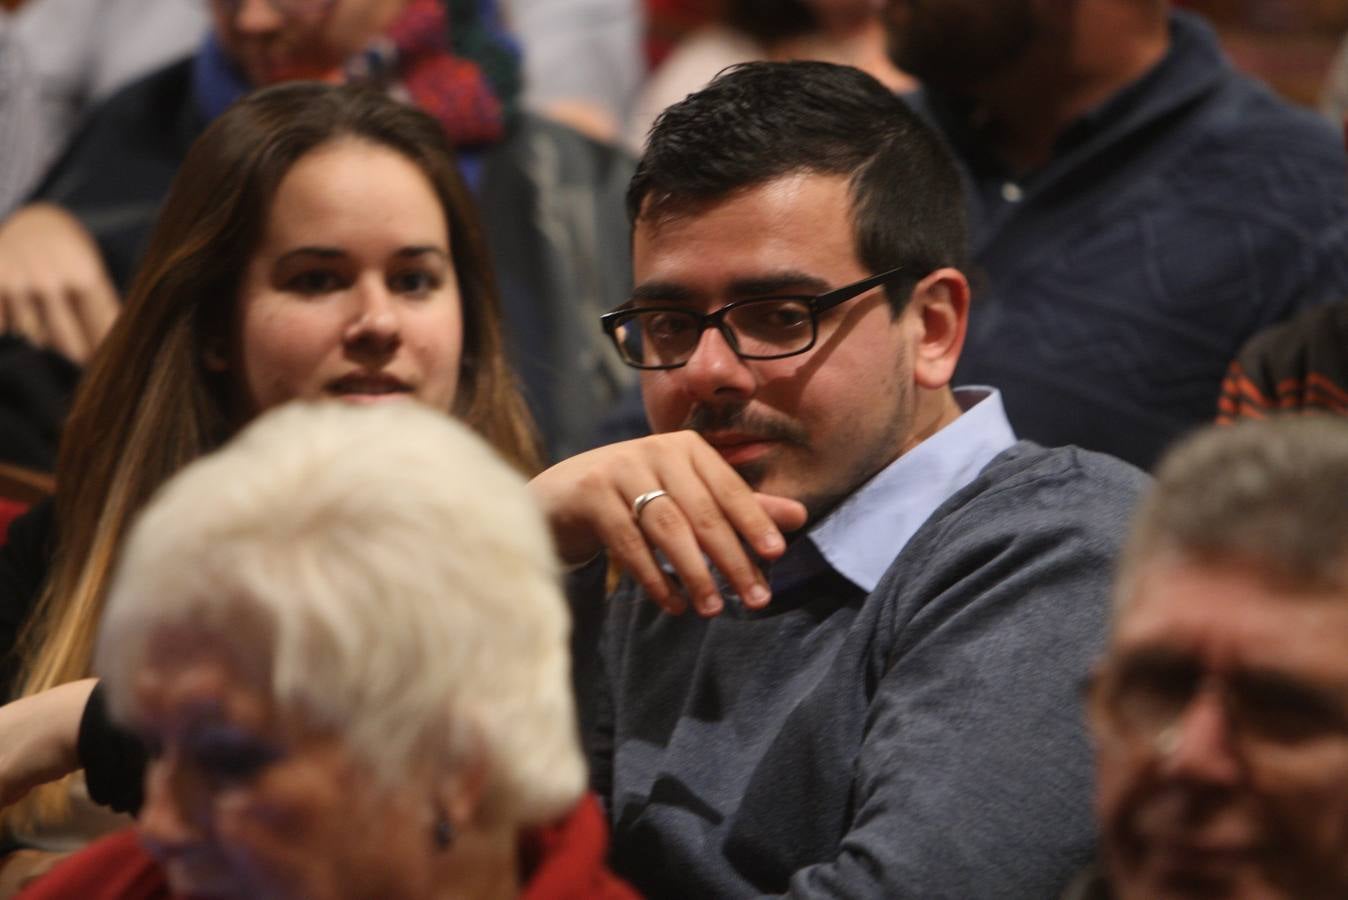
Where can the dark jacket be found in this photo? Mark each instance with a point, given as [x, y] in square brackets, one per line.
[1175, 221]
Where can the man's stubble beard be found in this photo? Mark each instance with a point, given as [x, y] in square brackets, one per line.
[939, 49]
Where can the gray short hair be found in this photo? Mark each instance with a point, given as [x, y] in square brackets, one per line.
[394, 577]
[1272, 494]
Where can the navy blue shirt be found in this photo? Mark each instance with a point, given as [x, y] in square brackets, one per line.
[1113, 286]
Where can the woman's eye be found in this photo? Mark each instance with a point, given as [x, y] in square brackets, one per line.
[314, 282]
[416, 282]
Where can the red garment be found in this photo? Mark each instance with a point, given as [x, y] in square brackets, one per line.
[9, 511]
[669, 21]
[565, 861]
[112, 868]
[450, 88]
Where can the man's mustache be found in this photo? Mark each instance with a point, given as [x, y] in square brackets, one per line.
[705, 419]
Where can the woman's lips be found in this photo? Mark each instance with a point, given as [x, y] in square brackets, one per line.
[368, 387]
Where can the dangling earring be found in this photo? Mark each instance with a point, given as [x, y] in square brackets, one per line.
[442, 831]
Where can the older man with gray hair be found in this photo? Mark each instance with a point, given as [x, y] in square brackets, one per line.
[1220, 710]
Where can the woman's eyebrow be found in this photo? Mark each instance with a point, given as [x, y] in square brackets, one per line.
[321, 252]
[421, 250]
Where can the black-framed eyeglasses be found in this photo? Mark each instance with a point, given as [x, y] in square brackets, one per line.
[1145, 698]
[665, 337]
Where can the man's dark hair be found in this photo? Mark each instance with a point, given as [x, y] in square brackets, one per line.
[760, 121]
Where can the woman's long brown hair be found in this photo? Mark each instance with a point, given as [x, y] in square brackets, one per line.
[147, 406]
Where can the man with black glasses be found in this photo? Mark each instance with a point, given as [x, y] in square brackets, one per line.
[886, 705]
[1220, 710]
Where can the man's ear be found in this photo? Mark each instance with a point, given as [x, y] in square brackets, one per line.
[940, 309]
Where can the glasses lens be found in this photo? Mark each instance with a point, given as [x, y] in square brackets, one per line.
[657, 337]
[1143, 698]
[1285, 711]
[771, 327]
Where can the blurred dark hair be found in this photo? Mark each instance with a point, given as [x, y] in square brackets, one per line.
[760, 121]
[770, 20]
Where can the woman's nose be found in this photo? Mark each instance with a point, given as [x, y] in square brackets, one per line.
[374, 326]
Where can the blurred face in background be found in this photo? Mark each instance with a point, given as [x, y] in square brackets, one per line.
[954, 45]
[1220, 716]
[242, 800]
[287, 40]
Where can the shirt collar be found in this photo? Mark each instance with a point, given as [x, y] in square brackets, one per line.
[861, 537]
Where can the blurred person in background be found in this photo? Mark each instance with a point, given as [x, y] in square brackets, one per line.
[345, 637]
[551, 198]
[1298, 366]
[583, 62]
[1220, 709]
[1334, 93]
[1139, 208]
[58, 58]
[848, 32]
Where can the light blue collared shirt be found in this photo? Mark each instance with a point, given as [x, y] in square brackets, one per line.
[860, 538]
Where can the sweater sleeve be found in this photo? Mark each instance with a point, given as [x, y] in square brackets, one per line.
[114, 760]
[974, 776]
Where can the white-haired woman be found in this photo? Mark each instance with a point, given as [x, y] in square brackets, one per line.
[343, 640]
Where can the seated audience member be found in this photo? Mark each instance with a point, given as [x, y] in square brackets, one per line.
[582, 60]
[1297, 366]
[1220, 710]
[899, 720]
[318, 243]
[849, 32]
[545, 190]
[344, 636]
[1139, 209]
[61, 57]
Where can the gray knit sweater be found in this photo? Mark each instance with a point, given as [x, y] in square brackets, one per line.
[923, 741]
